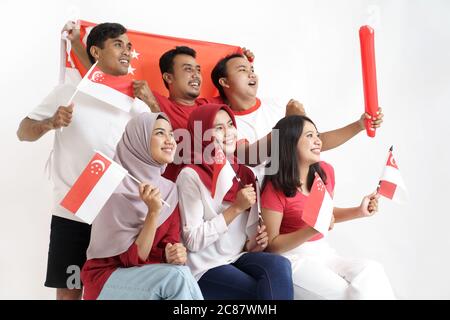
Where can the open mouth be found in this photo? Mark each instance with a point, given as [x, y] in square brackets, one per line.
[252, 83]
[124, 62]
[194, 84]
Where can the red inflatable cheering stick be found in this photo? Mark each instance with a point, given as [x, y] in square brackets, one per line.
[366, 36]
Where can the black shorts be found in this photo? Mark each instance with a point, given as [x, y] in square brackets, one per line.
[69, 241]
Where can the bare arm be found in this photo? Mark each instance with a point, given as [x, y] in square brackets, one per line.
[335, 138]
[73, 35]
[346, 214]
[142, 91]
[32, 130]
[285, 242]
[367, 208]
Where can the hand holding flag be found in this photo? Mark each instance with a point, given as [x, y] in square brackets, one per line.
[369, 205]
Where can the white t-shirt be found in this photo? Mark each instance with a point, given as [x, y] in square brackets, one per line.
[95, 126]
[210, 242]
[257, 122]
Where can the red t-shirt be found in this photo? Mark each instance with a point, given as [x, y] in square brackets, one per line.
[96, 272]
[178, 115]
[292, 207]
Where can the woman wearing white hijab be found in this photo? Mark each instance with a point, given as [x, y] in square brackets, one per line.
[135, 250]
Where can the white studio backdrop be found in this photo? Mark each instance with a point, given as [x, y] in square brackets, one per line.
[307, 50]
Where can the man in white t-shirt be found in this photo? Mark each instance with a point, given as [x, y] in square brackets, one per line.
[237, 83]
[80, 128]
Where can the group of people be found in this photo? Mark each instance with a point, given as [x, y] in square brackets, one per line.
[168, 237]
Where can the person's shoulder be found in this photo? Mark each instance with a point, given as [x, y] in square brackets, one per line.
[187, 174]
[329, 171]
[326, 166]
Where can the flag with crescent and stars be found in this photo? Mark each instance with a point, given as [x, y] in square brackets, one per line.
[116, 91]
[93, 187]
[318, 207]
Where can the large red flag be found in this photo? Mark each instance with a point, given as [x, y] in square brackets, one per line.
[147, 49]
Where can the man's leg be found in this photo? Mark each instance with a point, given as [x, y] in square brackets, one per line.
[66, 256]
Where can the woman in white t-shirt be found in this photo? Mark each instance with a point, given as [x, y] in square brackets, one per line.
[224, 240]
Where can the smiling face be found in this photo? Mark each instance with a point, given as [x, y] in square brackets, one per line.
[309, 145]
[186, 79]
[162, 142]
[225, 133]
[241, 79]
[114, 57]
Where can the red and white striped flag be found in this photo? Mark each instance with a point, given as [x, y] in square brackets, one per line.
[391, 183]
[116, 91]
[93, 187]
[223, 175]
[319, 207]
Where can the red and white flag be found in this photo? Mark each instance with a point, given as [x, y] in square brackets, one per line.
[391, 183]
[116, 91]
[93, 187]
[319, 207]
[223, 175]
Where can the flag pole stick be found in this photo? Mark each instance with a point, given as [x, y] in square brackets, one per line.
[164, 202]
[235, 174]
[77, 88]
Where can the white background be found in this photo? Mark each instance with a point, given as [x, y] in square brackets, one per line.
[308, 50]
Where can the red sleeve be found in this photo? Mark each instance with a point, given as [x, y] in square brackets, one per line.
[173, 233]
[130, 258]
[272, 199]
[329, 171]
[171, 229]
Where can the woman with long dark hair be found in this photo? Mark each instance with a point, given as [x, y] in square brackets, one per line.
[316, 267]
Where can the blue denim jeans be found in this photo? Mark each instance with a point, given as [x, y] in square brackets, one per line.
[151, 282]
[255, 275]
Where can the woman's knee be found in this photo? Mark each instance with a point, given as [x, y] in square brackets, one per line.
[280, 263]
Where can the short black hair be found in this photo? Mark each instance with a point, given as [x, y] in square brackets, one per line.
[220, 71]
[287, 178]
[102, 32]
[166, 60]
